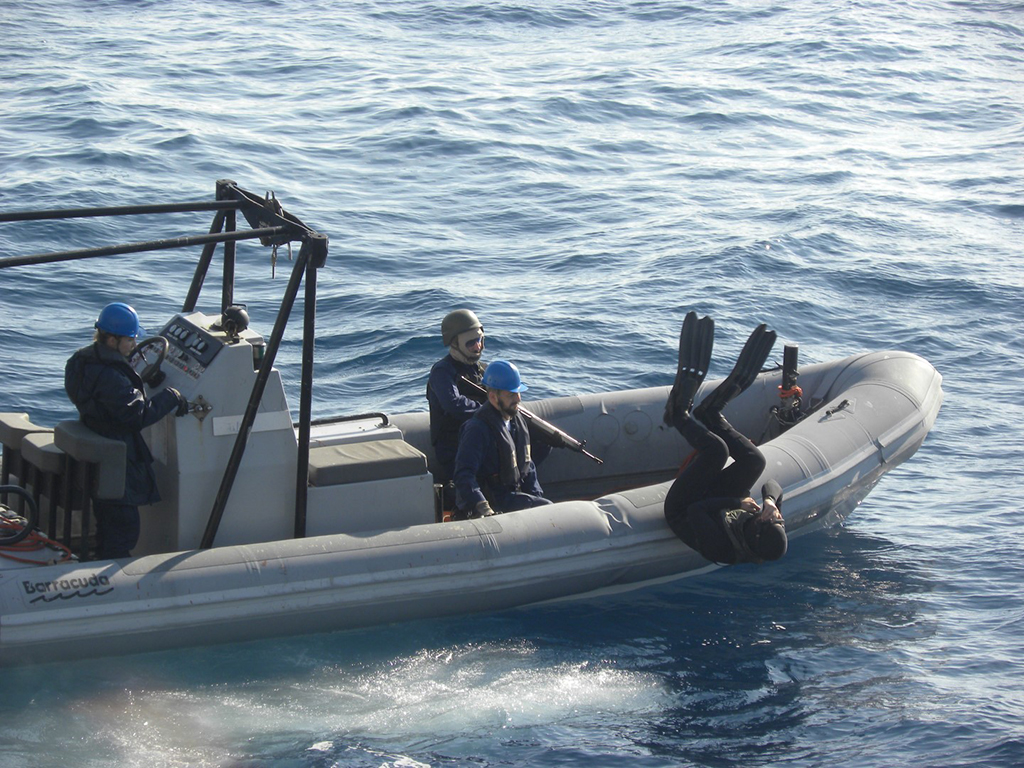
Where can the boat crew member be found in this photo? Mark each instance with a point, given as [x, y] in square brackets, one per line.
[493, 468]
[111, 401]
[450, 403]
[709, 505]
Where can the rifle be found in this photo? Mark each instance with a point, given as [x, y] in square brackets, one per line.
[565, 439]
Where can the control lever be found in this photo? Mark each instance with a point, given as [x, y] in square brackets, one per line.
[199, 408]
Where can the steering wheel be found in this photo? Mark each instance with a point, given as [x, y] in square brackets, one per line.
[150, 373]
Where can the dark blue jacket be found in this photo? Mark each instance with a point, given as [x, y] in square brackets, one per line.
[479, 471]
[110, 399]
[449, 408]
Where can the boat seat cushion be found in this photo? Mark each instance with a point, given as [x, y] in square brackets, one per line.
[364, 462]
[14, 427]
[41, 452]
[82, 444]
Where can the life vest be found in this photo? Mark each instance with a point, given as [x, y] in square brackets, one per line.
[513, 458]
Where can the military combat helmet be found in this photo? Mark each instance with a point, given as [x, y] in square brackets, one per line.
[459, 321]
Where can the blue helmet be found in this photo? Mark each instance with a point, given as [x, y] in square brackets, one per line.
[120, 320]
[501, 374]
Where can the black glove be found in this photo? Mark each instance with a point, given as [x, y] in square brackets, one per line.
[772, 490]
[182, 402]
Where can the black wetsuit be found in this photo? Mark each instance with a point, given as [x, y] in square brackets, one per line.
[697, 502]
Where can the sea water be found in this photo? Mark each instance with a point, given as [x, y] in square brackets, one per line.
[580, 174]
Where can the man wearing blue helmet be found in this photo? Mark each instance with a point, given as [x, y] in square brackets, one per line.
[494, 471]
[111, 401]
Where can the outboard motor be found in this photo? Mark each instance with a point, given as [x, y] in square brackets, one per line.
[789, 412]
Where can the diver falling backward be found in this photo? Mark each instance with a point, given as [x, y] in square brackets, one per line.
[709, 505]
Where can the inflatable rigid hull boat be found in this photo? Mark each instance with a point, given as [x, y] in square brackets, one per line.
[874, 412]
[269, 527]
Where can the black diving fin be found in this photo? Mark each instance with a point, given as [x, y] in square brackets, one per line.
[748, 366]
[696, 339]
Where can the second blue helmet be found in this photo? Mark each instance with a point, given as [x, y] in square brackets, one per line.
[501, 374]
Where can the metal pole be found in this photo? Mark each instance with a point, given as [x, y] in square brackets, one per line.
[118, 210]
[249, 418]
[317, 246]
[153, 245]
[226, 189]
[227, 297]
[203, 266]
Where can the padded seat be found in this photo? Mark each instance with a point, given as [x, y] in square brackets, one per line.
[14, 427]
[364, 462]
[85, 446]
[40, 450]
[48, 463]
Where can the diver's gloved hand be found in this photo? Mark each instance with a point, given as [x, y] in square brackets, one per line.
[182, 402]
[482, 509]
[772, 490]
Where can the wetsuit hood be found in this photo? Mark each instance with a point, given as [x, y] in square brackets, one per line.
[767, 541]
[754, 541]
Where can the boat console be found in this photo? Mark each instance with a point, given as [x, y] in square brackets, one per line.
[362, 475]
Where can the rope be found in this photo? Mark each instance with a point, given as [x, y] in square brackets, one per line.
[34, 542]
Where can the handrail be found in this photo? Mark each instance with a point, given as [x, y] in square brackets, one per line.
[384, 420]
[151, 245]
[119, 210]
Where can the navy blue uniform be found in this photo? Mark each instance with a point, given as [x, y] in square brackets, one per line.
[493, 463]
[110, 399]
[450, 408]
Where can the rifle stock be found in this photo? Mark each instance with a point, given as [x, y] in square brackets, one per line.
[567, 440]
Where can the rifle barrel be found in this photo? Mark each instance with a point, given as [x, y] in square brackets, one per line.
[569, 440]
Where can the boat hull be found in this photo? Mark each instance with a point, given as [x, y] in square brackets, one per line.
[871, 413]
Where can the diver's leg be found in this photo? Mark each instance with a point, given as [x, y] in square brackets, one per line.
[748, 463]
[698, 477]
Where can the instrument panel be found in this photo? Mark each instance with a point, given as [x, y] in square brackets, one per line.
[191, 349]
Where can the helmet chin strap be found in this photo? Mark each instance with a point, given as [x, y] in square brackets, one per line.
[461, 356]
[460, 350]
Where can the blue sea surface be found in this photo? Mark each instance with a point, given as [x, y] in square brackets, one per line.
[580, 174]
